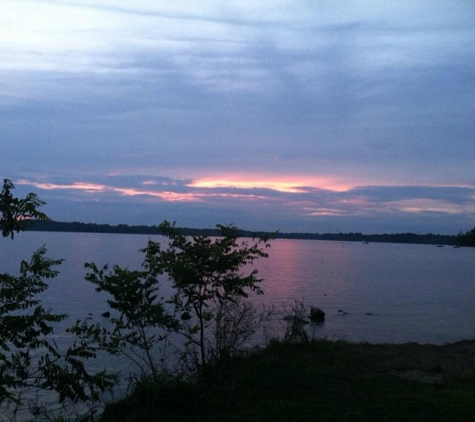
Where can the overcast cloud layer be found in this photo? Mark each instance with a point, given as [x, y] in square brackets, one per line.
[275, 115]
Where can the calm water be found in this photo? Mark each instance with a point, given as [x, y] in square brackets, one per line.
[388, 292]
[415, 293]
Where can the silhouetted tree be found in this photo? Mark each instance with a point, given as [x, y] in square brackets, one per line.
[467, 238]
[28, 358]
[16, 212]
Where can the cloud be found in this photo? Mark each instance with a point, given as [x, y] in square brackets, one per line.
[222, 201]
[318, 110]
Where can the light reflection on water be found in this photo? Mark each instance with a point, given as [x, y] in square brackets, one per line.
[415, 292]
[389, 292]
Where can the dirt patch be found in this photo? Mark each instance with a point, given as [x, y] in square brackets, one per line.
[423, 376]
[433, 364]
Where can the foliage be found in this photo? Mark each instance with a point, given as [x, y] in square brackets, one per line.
[28, 359]
[24, 332]
[208, 276]
[16, 212]
[295, 331]
[208, 292]
[428, 238]
[236, 322]
[466, 239]
[25, 327]
[141, 314]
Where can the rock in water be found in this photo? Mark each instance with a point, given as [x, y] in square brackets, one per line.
[316, 314]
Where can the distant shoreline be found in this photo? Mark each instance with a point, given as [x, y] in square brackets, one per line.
[76, 227]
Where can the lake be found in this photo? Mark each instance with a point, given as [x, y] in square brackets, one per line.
[387, 292]
[380, 293]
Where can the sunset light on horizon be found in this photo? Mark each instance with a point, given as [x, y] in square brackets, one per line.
[309, 117]
[281, 184]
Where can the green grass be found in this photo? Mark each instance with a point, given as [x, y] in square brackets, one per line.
[319, 381]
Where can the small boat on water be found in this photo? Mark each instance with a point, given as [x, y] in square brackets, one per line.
[440, 246]
[364, 242]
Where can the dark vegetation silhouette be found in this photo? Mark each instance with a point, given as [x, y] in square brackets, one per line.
[466, 239]
[210, 283]
[211, 279]
[28, 358]
[428, 238]
[16, 212]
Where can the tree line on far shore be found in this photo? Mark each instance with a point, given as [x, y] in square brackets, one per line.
[467, 239]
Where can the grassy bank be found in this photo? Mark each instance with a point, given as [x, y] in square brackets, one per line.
[319, 381]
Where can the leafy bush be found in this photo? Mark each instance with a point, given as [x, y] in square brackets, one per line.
[25, 325]
[209, 278]
[16, 212]
[142, 320]
[209, 288]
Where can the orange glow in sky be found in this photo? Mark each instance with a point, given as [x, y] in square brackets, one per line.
[289, 184]
[207, 189]
[323, 211]
[165, 195]
[424, 205]
[88, 187]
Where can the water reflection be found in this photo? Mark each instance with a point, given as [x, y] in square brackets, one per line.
[316, 271]
[414, 292]
[388, 292]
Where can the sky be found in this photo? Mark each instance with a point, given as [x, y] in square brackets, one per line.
[298, 116]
